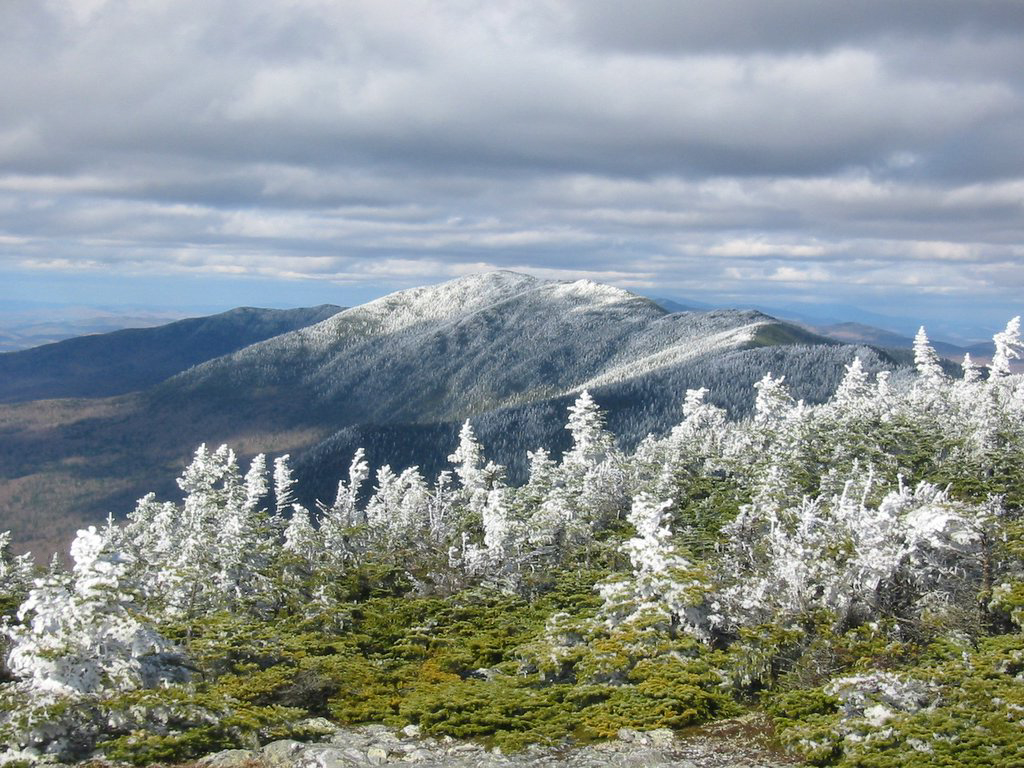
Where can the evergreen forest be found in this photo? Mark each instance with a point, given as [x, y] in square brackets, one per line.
[852, 569]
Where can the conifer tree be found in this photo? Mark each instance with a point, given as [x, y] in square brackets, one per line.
[971, 371]
[663, 585]
[929, 369]
[854, 387]
[81, 633]
[284, 485]
[337, 522]
[1008, 347]
[773, 400]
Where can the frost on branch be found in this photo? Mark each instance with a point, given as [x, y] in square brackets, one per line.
[15, 572]
[1009, 345]
[916, 550]
[663, 587]
[854, 387]
[773, 400]
[338, 521]
[81, 634]
[929, 369]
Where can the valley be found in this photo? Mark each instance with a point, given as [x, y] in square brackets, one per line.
[396, 376]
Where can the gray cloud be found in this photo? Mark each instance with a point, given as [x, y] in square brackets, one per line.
[667, 26]
[749, 148]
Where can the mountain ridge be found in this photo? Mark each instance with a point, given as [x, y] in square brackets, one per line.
[130, 359]
[508, 351]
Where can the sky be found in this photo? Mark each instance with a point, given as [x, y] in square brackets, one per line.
[211, 153]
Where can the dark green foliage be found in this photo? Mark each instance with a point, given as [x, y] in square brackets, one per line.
[508, 711]
[390, 626]
[974, 719]
[667, 691]
[180, 724]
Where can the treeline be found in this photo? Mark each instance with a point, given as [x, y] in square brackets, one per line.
[838, 564]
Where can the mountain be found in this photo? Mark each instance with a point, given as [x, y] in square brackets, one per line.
[858, 333]
[671, 305]
[397, 376]
[135, 358]
[31, 324]
[871, 329]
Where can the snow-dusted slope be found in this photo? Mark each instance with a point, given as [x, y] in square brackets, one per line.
[397, 376]
[130, 359]
[471, 345]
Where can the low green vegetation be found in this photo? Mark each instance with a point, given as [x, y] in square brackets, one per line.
[855, 570]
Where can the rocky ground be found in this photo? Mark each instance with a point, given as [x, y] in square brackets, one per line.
[739, 743]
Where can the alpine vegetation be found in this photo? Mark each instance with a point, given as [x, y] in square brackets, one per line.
[854, 568]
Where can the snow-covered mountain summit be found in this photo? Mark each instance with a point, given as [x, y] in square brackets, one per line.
[398, 375]
[481, 342]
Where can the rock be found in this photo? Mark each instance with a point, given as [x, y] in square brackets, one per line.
[354, 755]
[318, 726]
[377, 755]
[462, 749]
[727, 745]
[323, 756]
[347, 738]
[661, 738]
[280, 754]
[229, 758]
[645, 759]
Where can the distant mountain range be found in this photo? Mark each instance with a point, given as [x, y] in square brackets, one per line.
[26, 325]
[856, 333]
[128, 360]
[852, 332]
[396, 376]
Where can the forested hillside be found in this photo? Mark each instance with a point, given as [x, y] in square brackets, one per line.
[397, 377]
[854, 568]
[130, 359]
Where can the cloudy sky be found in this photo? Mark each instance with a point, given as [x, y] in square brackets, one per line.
[283, 152]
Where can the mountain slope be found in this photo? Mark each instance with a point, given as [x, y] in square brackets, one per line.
[135, 358]
[398, 375]
[857, 333]
[469, 346]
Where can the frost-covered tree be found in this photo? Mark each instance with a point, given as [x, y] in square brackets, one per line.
[1008, 347]
[773, 400]
[929, 369]
[15, 581]
[215, 549]
[301, 538]
[337, 522]
[344, 512]
[468, 459]
[247, 541]
[663, 587]
[284, 485]
[915, 550]
[15, 574]
[971, 371]
[591, 443]
[702, 426]
[854, 387]
[82, 638]
[211, 484]
[592, 481]
[498, 559]
[81, 634]
[398, 514]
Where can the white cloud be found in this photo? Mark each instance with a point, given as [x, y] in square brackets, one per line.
[658, 144]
